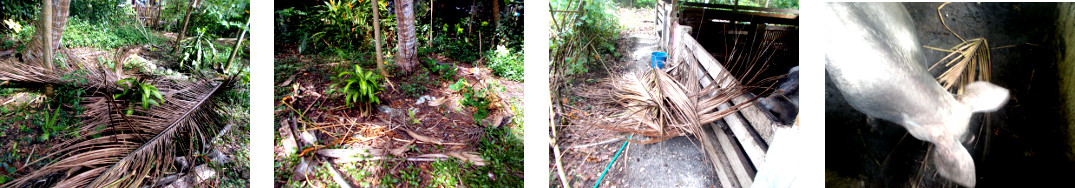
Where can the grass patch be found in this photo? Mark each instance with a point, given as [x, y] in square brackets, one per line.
[103, 35]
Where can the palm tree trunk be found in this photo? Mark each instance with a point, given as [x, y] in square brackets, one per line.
[183, 30]
[406, 39]
[377, 38]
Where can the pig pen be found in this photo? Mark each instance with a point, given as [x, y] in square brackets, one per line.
[1026, 142]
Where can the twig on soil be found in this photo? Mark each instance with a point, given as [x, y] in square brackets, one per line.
[426, 142]
[609, 141]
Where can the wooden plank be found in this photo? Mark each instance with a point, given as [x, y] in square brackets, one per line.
[709, 14]
[724, 176]
[761, 122]
[754, 150]
[712, 67]
[728, 146]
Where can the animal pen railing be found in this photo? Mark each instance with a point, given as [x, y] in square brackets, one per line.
[743, 150]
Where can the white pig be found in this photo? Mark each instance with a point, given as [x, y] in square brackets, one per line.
[874, 58]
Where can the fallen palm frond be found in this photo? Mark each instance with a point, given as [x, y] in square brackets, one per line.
[969, 59]
[109, 151]
[118, 146]
[967, 62]
[661, 106]
[71, 70]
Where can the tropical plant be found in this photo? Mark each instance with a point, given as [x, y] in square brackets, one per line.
[506, 64]
[481, 100]
[445, 72]
[345, 24]
[360, 87]
[135, 89]
[201, 53]
[49, 125]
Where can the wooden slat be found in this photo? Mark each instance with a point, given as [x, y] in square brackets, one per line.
[728, 146]
[757, 119]
[761, 122]
[691, 52]
[709, 14]
[730, 7]
[724, 176]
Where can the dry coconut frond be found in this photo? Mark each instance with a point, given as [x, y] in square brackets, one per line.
[966, 61]
[92, 75]
[661, 104]
[119, 150]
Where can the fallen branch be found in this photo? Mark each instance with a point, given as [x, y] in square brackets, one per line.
[556, 155]
[427, 139]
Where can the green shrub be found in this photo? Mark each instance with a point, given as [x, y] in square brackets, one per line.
[360, 87]
[134, 89]
[482, 100]
[17, 35]
[201, 53]
[417, 85]
[587, 41]
[444, 72]
[504, 153]
[18, 9]
[343, 23]
[506, 64]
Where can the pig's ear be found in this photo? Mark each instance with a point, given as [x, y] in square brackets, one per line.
[983, 96]
[954, 162]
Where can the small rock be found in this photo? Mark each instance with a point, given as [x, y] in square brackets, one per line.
[201, 173]
[386, 109]
[218, 157]
[424, 98]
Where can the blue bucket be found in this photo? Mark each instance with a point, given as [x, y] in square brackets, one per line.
[657, 59]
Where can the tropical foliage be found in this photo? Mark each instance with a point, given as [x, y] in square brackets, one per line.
[360, 87]
[583, 38]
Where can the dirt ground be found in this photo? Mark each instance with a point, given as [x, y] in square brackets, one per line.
[1025, 140]
[302, 100]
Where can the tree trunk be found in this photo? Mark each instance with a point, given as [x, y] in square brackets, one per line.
[46, 15]
[183, 30]
[238, 43]
[496, 20]
[406, 54]
[377, 37]
[48, 39]
[429, 38]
